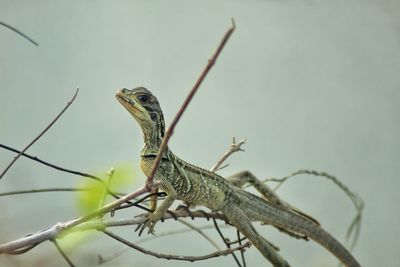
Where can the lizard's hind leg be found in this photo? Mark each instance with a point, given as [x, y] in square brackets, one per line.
[246, 177]
[241, 178]
[238, 218]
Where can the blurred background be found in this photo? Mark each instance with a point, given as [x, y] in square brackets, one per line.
[310, 84]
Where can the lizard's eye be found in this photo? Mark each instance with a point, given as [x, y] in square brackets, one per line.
[143, 98]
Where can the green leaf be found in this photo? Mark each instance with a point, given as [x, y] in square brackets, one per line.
[118, 180]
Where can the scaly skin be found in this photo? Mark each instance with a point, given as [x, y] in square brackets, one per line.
[197, 186]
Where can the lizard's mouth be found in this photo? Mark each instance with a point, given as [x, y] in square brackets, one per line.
[127, 102]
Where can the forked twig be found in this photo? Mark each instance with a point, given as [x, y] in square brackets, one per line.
[41, 134]
[234, 147]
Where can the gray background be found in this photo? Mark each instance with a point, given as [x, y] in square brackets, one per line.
[310, 84]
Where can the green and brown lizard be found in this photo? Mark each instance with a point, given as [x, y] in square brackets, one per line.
[196, 186]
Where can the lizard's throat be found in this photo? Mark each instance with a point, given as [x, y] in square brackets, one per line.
[152, 141]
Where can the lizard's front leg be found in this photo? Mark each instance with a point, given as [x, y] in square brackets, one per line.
[152, 218]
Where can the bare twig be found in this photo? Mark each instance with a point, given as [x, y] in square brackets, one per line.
[30, 191]
[234, 147]
[198, 230]
[70, 263]
[41, 134]
[179, 213]
[140, 200]
[19, 32]
[241, 252]
[59, 229]
[170, 130]
[107, 182]
[87, 175]
[176, 257]
[227, 243]
[118, 253]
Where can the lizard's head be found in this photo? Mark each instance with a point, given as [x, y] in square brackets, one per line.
[144, 107]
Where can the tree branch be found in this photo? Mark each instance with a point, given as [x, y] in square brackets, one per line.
[59, 229]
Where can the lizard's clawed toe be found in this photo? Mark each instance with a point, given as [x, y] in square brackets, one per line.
[146, 222]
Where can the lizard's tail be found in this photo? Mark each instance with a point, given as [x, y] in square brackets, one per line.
[257, 209]
[326, 240]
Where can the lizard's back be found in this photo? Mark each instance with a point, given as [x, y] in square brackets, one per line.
[194, 185]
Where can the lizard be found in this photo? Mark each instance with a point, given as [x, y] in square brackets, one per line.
[199, 187]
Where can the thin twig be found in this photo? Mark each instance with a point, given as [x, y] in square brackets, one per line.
[234, 147]
[87, 175]
[140, 200]
[198, 230]
[241, 252]
[19, 32]
[228, 244]
[107, 182]
[70, 263]
[41, 134]
[176, 257]
[104, 259]
[170, 130]
[30, 191]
